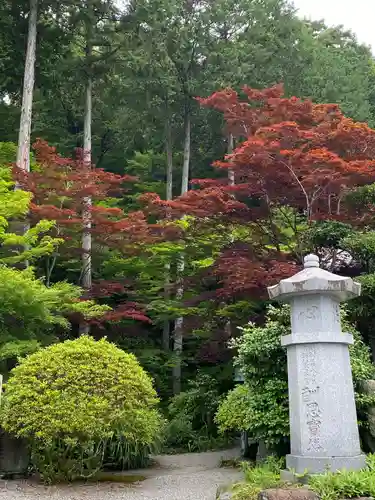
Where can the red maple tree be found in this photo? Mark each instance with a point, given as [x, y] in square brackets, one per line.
[59, 186]
[290, 153]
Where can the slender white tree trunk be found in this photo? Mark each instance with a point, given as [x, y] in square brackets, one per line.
[168, 147]
[178, 329]
[169, 152]
[23, 150]
[178, 326]
[230, 151]
[231, 182]
[186, 161]
[87, 202]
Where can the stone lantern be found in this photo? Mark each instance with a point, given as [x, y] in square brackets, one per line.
[323, 420]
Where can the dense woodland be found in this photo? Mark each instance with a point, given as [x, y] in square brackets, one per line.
[171, 159]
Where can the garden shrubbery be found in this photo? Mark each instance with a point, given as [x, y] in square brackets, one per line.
[328, 486]
[191, 413]
[80, 403]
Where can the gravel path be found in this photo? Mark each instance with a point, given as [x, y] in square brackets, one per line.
[193, 476]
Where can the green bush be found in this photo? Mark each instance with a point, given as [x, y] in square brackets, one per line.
[122, 454]
[179, 433]
[73, 399]
[258, 478]
[328, 486]
[200, 401]
[191, 415]
[261, 405]
[346, 484]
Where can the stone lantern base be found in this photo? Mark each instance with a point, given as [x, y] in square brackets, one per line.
[319, 465]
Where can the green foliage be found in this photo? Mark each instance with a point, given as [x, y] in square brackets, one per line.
[328, 486]
[287, 228]
[30, 312]
[199, 401]
[327, 234]
[191, 413]
[35, 307]
[363, 195]
[18, 349]
[158, 362]
[261, 477]
[149, 168]
[122, 454]
[328, 54]
[362, 309]
[8, 152]
[345, 484]
[261, 405]
[234, 410]
[14, 205]
[361, 246]
[150, 61]
[73, 399]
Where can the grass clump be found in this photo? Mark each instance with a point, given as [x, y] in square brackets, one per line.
[328, 486]
[258, 478]
[346, 484]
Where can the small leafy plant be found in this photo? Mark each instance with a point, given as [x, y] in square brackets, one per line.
[191, 425]
[346, 484]
[258, 478]
[328, 486]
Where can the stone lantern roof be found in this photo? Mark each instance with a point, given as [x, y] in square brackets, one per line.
[312, 280]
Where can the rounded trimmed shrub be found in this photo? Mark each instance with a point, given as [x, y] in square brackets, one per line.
[72, 399]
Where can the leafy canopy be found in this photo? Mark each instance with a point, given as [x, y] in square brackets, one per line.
[31, 313]
[33, 243]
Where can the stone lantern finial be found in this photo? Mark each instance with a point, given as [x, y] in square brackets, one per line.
[312, 280]
[311, 260]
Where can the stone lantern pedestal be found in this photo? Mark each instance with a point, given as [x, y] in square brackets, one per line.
[323, 420]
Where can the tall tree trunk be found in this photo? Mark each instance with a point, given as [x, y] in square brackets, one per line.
[231, 182]
[86, 234]
[86, 279]
[23, 150]
[24, 134]
[169, 153]
[186, 161]
[178, 327]
[230, 151]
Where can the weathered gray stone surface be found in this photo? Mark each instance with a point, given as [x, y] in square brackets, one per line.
[223, 494]
[288, 494]
[323, 419]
